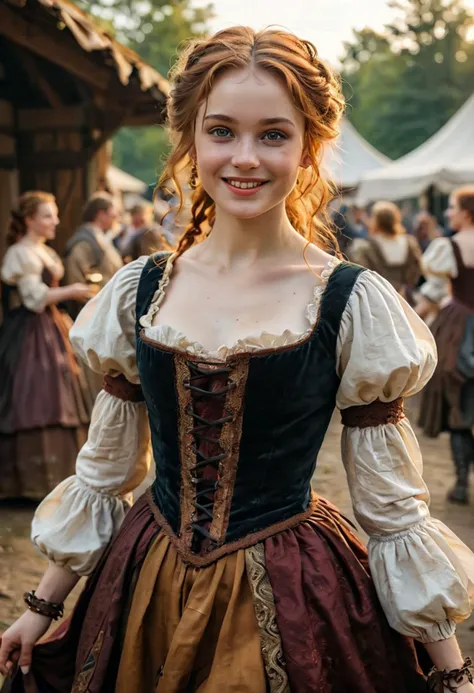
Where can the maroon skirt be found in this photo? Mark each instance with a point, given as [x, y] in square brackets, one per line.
[441, 408]
[45, 403]
[332, 633]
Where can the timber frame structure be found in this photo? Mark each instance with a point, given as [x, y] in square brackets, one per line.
[65, 88]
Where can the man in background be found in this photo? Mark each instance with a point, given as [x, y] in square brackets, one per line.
[90, 256]
[140, 237]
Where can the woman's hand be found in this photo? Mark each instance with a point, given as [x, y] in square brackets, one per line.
[18, 641]
[81, 292]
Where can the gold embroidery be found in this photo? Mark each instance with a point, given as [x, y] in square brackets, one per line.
[82, 681]
[187, 452]
[265, 611]
[229, 441]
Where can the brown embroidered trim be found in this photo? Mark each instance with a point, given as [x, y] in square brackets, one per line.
[82, 680]
[229, 440]
[187, 452]
[376, 414]
[199, 561]
[122, 388]
[265, 612]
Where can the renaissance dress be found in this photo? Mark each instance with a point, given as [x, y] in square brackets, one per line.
[396, 258]
[45, 405]
[448, 400]
[230, 573]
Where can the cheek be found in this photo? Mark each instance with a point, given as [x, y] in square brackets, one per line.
[210, 159]
[283, 162]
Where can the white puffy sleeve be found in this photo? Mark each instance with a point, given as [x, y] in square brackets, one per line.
[439, 267]
[22, 267]
[75, 522]
[424, 575]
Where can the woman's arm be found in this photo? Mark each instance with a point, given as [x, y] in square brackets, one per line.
[446, 655]
[73, 292]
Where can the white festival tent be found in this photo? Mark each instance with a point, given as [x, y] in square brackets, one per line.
[444, 161]
[350, 158]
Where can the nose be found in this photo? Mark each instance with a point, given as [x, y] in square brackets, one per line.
[245, 155]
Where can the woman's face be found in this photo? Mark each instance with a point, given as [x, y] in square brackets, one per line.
[43, 224]
[249, 143]
[457, 218]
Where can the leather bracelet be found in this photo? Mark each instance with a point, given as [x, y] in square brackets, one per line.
[43, 607]
[452, 680]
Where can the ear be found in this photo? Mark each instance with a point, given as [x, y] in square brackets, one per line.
[192, 153]
[305, 160]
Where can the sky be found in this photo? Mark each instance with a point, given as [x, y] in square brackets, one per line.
[327, 23]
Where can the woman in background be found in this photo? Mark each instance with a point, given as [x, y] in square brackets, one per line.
[389, 250]
[448, 400]
[44, 406]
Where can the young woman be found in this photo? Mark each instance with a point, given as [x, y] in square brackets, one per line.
[229, 574]
[389, 250]
[44, 404]
[448, 401]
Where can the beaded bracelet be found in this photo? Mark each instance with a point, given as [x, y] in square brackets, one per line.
[452, 680]
[43, 607]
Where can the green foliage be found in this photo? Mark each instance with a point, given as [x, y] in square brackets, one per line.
[154, 29]
[404, 84]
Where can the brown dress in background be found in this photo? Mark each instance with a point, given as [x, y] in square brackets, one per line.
[44, 403]
[442, 404]
[402, 275]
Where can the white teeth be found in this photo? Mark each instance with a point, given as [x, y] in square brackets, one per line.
[244, 186]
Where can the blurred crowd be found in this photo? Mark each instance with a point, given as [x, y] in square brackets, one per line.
[391, 240]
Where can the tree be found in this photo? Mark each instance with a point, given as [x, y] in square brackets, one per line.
[410, 80]
[154, 29]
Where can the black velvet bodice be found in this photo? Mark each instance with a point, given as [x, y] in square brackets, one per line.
[235, 443]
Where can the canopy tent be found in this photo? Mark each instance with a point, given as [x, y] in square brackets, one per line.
[445, 161]
[124, 182]
[351, 158]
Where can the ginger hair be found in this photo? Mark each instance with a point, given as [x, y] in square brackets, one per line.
[26, 207]
[387, 219]
[465, 199]
[316, 93]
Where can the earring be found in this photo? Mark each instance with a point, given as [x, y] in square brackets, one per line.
[194, 176]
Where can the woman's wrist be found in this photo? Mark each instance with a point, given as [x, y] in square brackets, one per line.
[56, 584]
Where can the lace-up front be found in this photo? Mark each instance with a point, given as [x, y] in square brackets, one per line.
[209, 387]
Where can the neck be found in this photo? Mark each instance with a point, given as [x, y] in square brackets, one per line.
[236, 242]
[34, 237]
[466, 229]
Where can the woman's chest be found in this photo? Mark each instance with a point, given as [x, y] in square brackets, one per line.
[226, 312]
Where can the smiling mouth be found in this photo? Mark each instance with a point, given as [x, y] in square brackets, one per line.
[240, 184]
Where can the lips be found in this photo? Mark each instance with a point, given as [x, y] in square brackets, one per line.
[244, 187]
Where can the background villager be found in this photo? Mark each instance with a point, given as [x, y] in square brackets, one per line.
[44, 401]
[426, 229]
[141, 236]
[448, 401]
[90, 255]
[389, 250]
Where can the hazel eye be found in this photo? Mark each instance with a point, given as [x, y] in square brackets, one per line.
[275, 136]
[221, 132]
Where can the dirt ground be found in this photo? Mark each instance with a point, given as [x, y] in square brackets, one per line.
[21, 566]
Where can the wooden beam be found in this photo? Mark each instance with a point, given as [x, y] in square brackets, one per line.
[8, 163]
[56, 159]
[53, 48]
[30, 64]
[35, 119]
[142, 119]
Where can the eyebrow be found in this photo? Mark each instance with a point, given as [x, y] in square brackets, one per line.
[264, 121]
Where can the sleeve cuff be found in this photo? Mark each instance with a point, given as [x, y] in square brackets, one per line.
[438, 632]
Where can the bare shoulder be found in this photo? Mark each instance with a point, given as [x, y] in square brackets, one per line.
[317, 258]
